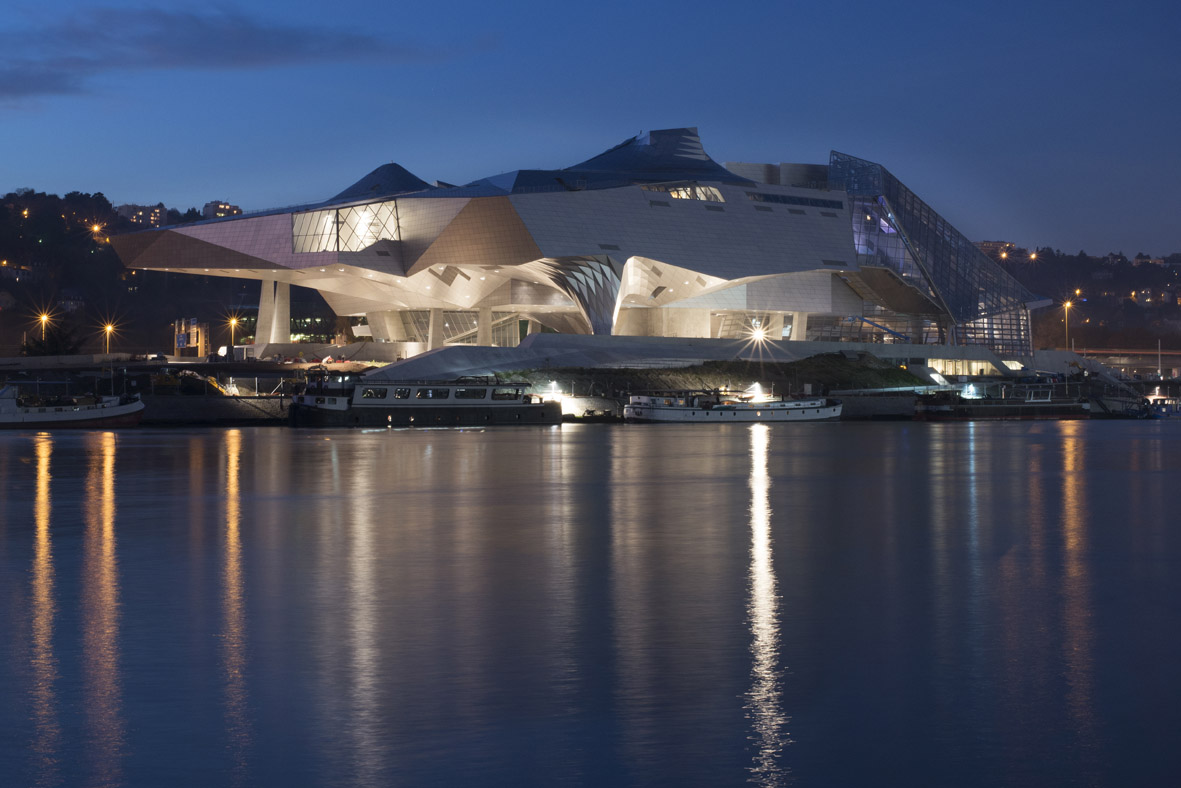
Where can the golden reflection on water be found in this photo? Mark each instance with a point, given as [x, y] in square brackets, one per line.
[768, 722]
[234, 628]
[1076, 590]
[46, 727]
[105, 727]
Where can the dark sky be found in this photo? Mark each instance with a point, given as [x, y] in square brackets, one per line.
[1043, 123]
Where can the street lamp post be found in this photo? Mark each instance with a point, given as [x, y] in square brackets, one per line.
[1066, 305]
[44, 319]
[108, 329]
[233, 325]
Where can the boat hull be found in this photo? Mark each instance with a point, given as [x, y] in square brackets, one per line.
[128, 415]
[1003, 412]
[648, 414]
[427, 416]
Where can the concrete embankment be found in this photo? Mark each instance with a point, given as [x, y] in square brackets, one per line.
[178, 410]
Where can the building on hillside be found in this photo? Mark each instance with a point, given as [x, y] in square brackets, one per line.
[144, 215]
[650, 238]
[997, 250]
[216, 209]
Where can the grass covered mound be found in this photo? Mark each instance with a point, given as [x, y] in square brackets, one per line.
[825, 372]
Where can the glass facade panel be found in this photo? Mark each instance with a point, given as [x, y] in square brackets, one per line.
[364, 225]
[892, 226]
[685, 191]
[314, 231]
[787, 199]
[352, 229]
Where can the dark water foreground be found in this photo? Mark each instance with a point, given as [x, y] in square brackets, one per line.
[811, 604]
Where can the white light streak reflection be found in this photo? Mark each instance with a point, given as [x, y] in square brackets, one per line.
[366, 622]
[763, 707]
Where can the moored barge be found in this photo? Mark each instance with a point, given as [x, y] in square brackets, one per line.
[346, 400]
[1005, 401]
[716, 407]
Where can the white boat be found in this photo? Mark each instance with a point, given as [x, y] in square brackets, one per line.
[707, 406]
[347, 400]
[31, 411]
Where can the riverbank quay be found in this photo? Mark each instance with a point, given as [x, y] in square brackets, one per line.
[175, 392]
[592, 377]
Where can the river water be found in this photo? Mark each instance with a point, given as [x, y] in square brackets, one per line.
[843, 604]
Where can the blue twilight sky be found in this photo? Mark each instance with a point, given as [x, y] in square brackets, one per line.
[1043, 123]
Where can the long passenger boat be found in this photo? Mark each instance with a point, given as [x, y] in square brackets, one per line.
[1003, 401]
[31, 411]
[348, 400]
[713, 406]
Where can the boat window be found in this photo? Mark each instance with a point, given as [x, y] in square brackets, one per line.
[373, 393]
[432, 393]
[503, 394]
[471, 393]
[401, 393]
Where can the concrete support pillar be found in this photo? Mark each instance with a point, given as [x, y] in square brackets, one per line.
[774, 327]
[435, 330]
[281, 329]
[274, 313]
[484, 326]
[799, 326]
[387, 326]
[534, 327]
[266, 313]
[677, 322]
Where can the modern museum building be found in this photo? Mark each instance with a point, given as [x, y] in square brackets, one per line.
[651, 238]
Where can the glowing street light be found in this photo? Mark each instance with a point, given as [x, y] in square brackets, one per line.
[44, 318]
[233, 324]
[1066, 306]
[108, 329]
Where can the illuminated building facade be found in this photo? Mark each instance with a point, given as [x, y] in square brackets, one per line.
[650, 238]
[144, 215]
[216, 209]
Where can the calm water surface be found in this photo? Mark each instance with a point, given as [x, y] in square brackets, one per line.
[814, 604]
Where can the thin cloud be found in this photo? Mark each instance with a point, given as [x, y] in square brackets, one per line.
[61, 57]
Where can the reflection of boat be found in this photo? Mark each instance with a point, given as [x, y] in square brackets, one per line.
[347, 400]
[1005, 401]
[713, 406]
[31, 411]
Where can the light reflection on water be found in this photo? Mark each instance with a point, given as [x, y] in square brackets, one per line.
[591, 606]
[106, 731]
[764, 703]
[46, 727]
[234, 634]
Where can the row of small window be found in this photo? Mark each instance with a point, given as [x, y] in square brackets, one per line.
[685, 191]
[787, 199]
[442, 393]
